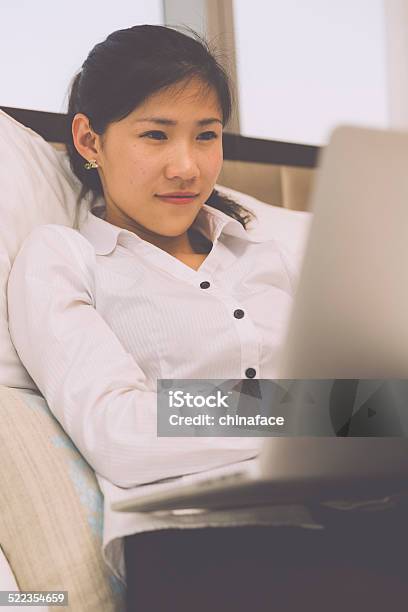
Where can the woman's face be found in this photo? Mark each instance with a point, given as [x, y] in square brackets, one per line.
[171, 143]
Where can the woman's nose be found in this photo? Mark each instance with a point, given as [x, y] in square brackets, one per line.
[182, 164]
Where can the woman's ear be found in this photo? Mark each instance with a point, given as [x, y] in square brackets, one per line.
[85, 140]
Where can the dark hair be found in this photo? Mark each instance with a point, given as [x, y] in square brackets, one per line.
[128, 67]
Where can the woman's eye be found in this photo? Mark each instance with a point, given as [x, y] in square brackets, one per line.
[209, 135]
[159, 135]
[155, 135]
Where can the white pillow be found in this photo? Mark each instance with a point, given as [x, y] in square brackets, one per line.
[37, 187]
[290, 227]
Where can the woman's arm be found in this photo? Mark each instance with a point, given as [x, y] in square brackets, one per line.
[92, 385]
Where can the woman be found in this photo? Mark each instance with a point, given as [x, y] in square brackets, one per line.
[162, 280]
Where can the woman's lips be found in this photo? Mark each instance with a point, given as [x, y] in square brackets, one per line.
[178, 199]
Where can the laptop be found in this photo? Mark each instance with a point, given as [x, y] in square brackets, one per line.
[349, 325]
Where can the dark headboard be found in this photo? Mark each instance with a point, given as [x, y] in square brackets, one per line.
[54, 128]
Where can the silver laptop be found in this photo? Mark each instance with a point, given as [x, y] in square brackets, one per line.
[349, 321]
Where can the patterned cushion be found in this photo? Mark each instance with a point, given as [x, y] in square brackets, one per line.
[51, 508]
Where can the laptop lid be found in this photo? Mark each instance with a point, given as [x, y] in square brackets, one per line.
[349, 318]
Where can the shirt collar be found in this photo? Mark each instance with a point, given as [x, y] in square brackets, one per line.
[211, 222]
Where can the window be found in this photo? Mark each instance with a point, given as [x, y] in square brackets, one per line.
[43, 44]
[304, 67]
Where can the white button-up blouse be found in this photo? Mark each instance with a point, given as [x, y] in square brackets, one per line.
[98, 315]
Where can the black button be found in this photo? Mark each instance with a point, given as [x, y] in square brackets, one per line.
[250, 372]
[204, 285]
[238, 314]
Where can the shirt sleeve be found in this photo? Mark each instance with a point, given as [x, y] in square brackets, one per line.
[92, 385]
